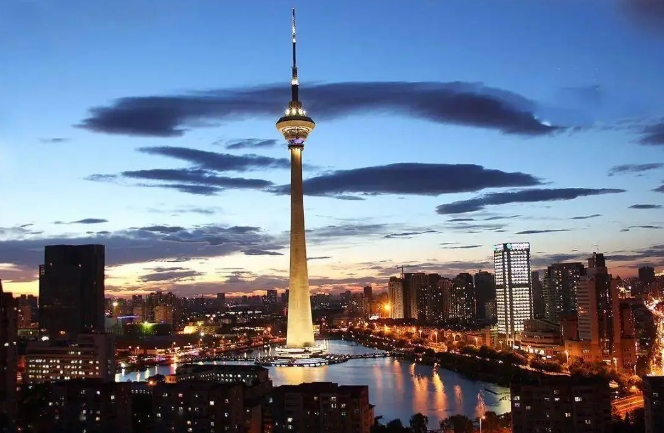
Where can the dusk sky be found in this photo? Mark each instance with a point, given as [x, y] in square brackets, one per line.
[443, 127]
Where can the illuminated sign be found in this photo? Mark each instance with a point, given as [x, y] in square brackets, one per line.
[519, 246]
[499, 247]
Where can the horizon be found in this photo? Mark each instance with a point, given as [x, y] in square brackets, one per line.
[151, 131]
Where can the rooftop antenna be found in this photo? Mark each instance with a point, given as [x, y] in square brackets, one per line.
[401, 267]
[294, 81]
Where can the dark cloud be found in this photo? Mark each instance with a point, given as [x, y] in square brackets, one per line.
[659, 188]
[319, 258]
[459, 220]
[54, 140]
[653, 135]
[523, 196]
[207, 160]
[450, 103]
[258, 252]
[648, 14]
[346, 230]
[463, 247]
[85, 221]
[646, 206]
[170, 276]
[501, 217]
[187, 209]
[586, 217]
[407, 235]
[144, 244]
[476, 228]
[412, 178]
[251, 143]
[634, 168]
[536, 232]
[648, 227]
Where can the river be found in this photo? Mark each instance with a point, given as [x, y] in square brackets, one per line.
[398, 388]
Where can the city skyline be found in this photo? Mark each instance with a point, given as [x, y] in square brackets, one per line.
[151, 132]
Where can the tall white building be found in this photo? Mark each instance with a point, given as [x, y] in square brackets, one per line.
[514, 299]
[395, 297]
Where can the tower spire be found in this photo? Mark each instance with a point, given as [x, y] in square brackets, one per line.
[294, 80]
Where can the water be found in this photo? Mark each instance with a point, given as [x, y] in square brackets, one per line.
[397, 388]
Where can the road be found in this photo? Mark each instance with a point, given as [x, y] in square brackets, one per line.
[625, 405]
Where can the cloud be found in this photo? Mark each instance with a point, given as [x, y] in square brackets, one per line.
[319, 258]
[258, 252]
[251, 143]
[648, 14]
[407, 235]
[54, 140]
[454, 103]
[634, 168]
[144, 244]
[646, 206]
[659, 188]
[653, 135]
[523, 196]
[186, 180]
[346, 231]
[648, 227]
[170, 276]
[463, 247]
[586, 217]
[85, 221]
[536, 232]
[459, 220]
[412, 178]
[207, 160]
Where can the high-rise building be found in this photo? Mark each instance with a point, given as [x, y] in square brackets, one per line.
[296, 126]
[395, 298]
[561, 284]
[597, 301]
[485, 291]
[562, 404]
[8, 358]
[71, 290]
[538, 292]
[221, 301]
[28, 310]
[368, 301]
[514, 299]
[437, 301]
[322, 406]
[271, 301]
[653, 402]
[412, 284]
[462, 299]
[647, 274]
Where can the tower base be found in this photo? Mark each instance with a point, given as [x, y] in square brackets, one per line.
[300, 353]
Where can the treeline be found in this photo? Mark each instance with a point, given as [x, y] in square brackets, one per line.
[419, 423]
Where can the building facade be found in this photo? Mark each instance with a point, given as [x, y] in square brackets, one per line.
[8, 357]
[514, 303]
[395, 294]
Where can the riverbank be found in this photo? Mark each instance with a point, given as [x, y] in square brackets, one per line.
[502, 371]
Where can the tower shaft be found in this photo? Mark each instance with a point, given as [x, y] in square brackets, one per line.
[300, 331]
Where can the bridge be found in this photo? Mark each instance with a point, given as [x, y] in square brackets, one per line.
[330, 357]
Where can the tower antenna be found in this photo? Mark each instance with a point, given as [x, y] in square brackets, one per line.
[294, 81]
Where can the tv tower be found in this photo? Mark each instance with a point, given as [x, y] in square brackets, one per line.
[295, 126]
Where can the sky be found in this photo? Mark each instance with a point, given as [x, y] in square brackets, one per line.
[443, 127]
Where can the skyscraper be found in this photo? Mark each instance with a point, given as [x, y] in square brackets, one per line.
[71, 290]
[395, 297]
[514, 300]
[561, 284]
[485, 291]
[412, 284]
[8, 358]
[296, 126]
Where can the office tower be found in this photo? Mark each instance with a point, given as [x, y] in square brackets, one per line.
[221, 301]
[71, 290]
[368, 301]
[395, 298]
[538, 295]
[322, 407]
[8, 358]
[271, 301]
[485, 291]
[646, 274]
[597, 303]
[561, 284]
[412, 283]
[295, 126]
[514, 300]
[462, 300]
[562, 404]
[653, 402]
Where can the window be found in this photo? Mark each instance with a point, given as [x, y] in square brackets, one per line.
[578, 399]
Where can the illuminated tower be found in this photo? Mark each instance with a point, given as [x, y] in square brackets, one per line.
[295, 127]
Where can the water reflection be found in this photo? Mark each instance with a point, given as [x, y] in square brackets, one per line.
[397, 388]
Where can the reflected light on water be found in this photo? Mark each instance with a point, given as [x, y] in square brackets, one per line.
[397, 388]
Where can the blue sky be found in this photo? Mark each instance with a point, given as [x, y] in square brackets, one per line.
[522, 107]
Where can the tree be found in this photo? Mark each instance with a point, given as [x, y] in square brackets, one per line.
[457, 424]
[419, 423]
[395, 426]
[490, 422]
